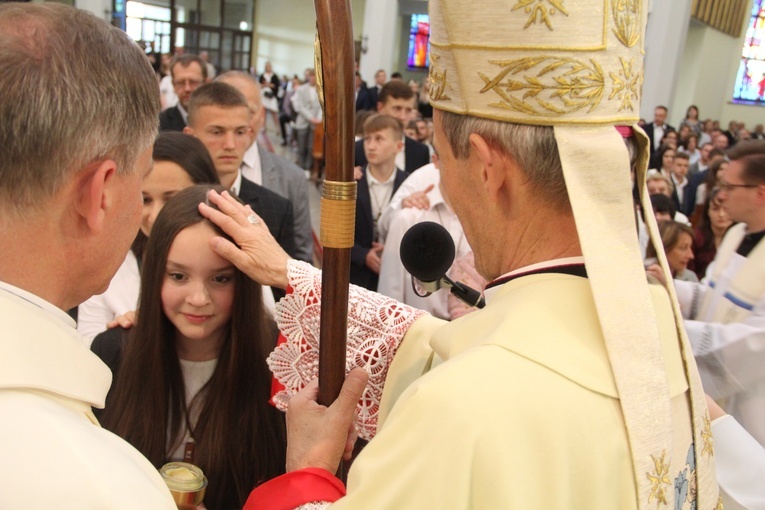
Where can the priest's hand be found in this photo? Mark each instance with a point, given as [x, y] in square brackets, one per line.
[256, 253]
[318, 436]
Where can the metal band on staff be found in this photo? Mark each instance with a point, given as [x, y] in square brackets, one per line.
[338, 209]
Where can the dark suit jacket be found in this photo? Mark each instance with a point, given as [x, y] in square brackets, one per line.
[361, 275]
[364, 99]
[416, 155]
[374, 92]
[691, 190]
[648, 128]
[276, 212]
[171, 120]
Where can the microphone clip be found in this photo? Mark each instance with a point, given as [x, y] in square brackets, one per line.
[461, 291]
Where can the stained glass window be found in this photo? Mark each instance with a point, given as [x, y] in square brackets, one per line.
[750, 81]
[419, 35]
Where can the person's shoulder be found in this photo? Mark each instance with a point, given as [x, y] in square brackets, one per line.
[261, 192]
[283, 165]
[170, 113]
[171, 120]
[84, 462]
[411, 142]
[108, 346]
[496, 371]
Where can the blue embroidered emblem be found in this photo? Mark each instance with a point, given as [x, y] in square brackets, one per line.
[685, 482]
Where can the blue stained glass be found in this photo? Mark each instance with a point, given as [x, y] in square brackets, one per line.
[419, 37]
[750, 78]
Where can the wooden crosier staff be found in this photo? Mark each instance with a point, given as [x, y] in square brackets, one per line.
[335, 78]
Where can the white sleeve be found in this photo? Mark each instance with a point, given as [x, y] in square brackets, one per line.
[690, 295]
[376, 327]
[740, 463]
[393, 276]
[121, 297]
[730, 356]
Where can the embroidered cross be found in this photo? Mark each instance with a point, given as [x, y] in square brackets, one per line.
[539, 10]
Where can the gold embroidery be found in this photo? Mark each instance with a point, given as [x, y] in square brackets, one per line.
[659, 478]
[627, 20]
[627, 84]
[579, 86]
[538, 11]
[719, 504]
[437, 80]
[706, 437]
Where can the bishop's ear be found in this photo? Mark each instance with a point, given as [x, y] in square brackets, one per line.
[493, 163]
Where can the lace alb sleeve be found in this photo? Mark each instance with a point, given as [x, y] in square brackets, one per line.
[376, 326]
[316, 505]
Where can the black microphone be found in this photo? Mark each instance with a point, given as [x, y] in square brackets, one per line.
[427, 252]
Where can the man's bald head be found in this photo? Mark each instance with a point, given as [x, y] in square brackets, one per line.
[249, 87]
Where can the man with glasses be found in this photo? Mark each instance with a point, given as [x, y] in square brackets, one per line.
[725, 314]
[188, 73]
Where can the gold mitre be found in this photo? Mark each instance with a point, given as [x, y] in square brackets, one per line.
[577, 65]
[548, 62]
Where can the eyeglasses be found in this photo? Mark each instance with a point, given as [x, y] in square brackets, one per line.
[727, 187]
[191, 83]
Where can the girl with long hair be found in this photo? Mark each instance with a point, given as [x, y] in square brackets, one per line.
[191, 381]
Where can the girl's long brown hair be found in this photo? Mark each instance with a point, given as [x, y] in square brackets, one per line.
[240, 438]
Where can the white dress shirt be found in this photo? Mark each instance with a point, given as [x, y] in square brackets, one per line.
[250, 168]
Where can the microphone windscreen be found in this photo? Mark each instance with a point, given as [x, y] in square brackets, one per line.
[427, 251]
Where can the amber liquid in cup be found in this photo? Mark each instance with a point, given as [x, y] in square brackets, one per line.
[187, 484]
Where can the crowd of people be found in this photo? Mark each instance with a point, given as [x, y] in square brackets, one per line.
[185, 304]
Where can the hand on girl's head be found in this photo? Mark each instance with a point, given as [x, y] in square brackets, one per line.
[256, 253]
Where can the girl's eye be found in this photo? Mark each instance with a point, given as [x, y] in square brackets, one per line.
[176, 276]
[223, 278]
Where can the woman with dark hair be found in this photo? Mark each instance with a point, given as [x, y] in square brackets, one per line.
[692, 120]
[662, 160]
[713, 224]
[180, 161]
[191, 381]
[677, 239]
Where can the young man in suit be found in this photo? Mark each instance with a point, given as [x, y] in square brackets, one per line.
[380, 180]
[188, 73]
[220, 117]
[679, 176]
[658, 128]
[271, 171]
[397, 100]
